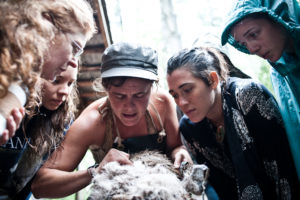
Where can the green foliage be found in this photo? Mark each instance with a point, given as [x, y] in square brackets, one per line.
[264, 76]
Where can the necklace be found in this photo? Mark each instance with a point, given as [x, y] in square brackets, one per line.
[220, 134]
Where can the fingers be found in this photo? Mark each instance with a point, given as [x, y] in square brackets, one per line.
[13, 122]
[181, 155]
[115, 155]
[11, 126]
[177, 162]
[4, 137]
[18, 115]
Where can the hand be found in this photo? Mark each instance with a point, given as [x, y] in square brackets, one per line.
[115, 155]
[179, 155]
[12, 124]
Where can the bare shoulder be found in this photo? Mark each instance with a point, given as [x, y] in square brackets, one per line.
[90, 124]
[161, 98]
[164, 103]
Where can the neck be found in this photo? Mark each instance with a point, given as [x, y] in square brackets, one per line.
[131, 131]
[216, 113]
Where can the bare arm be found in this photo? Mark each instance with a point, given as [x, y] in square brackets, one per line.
[57, 177]
[55, 183]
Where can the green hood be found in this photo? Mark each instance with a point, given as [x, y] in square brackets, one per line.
[285, 12]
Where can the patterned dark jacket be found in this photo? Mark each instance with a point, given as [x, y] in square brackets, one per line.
[254, 160]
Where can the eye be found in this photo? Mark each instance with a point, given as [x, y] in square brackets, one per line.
[119, 96]
[70, 83]
[55, 81]
[253, 34]
[187, 90]
[140, 95]
[175, 96]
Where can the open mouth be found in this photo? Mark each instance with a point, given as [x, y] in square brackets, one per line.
[129, 115]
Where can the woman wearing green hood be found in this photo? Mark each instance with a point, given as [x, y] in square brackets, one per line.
[271, 30]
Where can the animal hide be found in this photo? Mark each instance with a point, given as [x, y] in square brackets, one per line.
[151, 177]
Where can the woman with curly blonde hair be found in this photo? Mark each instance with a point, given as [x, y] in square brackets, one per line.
[40, 38]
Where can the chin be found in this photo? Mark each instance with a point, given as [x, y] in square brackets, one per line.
[130, 122]
[195, 119]
[273, 60]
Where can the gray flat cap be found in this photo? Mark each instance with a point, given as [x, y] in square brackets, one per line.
[131, 60]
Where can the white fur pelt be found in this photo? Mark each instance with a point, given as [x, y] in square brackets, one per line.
[151, 177]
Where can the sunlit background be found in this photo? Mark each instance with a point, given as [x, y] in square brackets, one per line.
[170, 25]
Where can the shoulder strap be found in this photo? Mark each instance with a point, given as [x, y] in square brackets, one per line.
[158, 116]
[162, 133]
[106, 114]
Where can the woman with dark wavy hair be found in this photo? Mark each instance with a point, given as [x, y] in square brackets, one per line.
[232, 125]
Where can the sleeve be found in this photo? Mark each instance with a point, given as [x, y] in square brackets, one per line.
[265, 126]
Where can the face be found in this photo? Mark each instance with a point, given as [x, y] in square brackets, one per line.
[261, 37]
[56, 92]
[63, 52]
[191, 94]
[129, 101]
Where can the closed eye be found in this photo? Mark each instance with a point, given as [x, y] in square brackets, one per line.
[187, 90]
[56, 81]
[140, 95]
[119, 96]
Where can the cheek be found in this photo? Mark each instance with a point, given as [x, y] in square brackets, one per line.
[203, 99]
[142, 105]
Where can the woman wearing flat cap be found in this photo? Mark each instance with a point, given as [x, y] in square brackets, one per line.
[132, 118]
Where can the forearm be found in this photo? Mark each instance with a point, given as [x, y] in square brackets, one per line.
[52, 183]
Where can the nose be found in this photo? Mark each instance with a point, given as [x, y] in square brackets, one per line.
[63, 90]
[129, 104]
[253, 47]
[73, 62]
[182, 102]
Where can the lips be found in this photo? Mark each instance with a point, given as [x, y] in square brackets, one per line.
[57, 102]
[188, 112]
[129, 115]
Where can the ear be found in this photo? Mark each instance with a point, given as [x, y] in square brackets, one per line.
[214, 78]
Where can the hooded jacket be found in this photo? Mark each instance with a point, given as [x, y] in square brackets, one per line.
[285, 73]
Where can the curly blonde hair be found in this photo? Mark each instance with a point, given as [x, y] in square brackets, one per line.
[46, 130]
[26, 32]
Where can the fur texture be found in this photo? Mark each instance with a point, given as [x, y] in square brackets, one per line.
[152, 177]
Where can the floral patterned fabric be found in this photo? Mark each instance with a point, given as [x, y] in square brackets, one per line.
[254, 159]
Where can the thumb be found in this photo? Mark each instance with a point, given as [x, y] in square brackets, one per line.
[177, 162]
